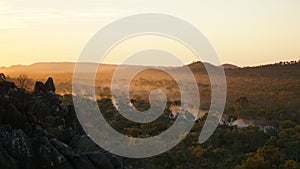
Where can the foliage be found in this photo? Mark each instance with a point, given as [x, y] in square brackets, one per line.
[229, 147]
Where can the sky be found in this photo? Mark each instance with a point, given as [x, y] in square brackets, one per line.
[243, 32]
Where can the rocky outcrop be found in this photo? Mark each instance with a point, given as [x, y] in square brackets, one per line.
[105, 161]
[38, 132]
[39, 87]
[5, 86]
[47, 87]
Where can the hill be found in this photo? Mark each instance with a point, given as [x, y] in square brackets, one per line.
[50, 67]
[266, 85]
[229, 66]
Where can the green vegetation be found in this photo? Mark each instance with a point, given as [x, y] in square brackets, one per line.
[250, 147]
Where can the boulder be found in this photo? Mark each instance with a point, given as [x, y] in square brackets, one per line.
[6, 86]
[49, 85]
[61, 133]
[83, 144]
[105, 160]
[64, 149]
[19, 146]
[39, 87]
[54, 121]
[6, 160]
[82, 162]
[49, 156]
[14, 117]
[78, 161]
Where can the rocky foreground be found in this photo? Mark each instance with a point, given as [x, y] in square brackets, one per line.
[37, 131]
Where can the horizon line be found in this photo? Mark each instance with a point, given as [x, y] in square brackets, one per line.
[115, 64]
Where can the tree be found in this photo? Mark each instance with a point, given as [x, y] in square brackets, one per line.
[289, 140]
[196, 155]
[265, 157]
[255, 162]
[272, 154]
[24, 81]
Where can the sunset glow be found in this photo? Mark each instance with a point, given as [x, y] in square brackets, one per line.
[250, 32]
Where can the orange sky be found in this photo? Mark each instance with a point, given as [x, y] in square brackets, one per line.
[248, 32]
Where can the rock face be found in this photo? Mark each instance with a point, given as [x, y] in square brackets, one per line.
[38, 132]
[39, 87]
[5, 86]
[47, 87]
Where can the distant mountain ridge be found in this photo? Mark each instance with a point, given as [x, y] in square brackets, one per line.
[50, 67]
[63, 67]
[68, 67]
[229, 66]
